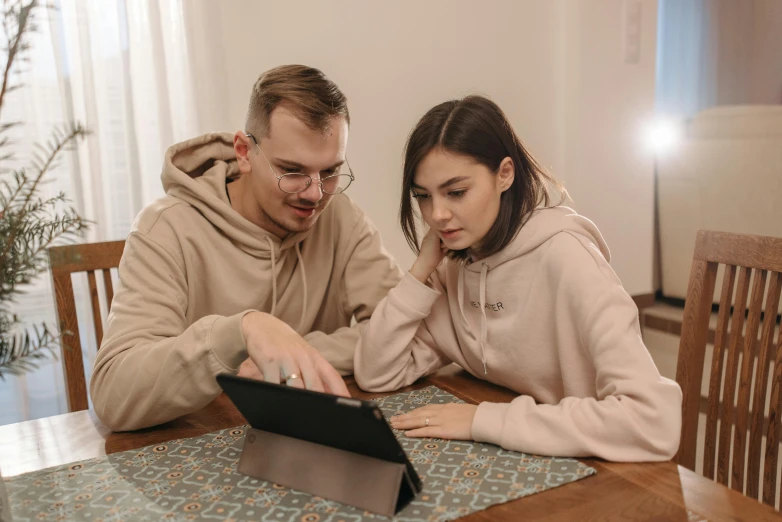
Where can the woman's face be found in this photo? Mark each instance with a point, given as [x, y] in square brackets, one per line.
[458, 197]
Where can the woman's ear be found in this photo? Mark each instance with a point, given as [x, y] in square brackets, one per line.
[505, 174]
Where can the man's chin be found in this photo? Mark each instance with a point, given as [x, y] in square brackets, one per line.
[301, 224]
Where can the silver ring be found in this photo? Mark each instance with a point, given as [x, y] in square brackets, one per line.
[291, 377]
[426, 422]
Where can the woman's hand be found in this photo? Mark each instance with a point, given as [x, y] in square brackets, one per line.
[443, 421]
[432, 252]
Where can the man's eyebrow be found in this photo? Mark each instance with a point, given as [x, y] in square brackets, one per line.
[297, 165]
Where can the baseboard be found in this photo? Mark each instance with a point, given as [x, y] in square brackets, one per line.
[643, 300]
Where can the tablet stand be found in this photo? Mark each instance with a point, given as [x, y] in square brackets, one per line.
[358, 480]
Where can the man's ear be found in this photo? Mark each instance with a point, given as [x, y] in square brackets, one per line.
[506, 174]
[243, 144]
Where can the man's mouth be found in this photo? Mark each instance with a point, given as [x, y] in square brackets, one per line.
[302, 211]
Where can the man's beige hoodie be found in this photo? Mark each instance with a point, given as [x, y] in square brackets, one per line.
[548, 318]
[193, 267]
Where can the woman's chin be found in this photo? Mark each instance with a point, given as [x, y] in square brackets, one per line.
[456, 244]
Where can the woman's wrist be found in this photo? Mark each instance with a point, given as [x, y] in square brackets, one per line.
[422, 274]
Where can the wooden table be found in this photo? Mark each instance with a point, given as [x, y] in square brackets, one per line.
[658, 491]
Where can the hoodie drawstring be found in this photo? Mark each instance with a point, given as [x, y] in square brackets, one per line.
[304, 281]
[274, 281]
[460, 296]
[274, 275]
[484, 326]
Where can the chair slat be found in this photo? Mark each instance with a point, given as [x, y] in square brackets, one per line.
[70, 344]
[95, 302]
[765, 354]
[774, 427]
[745, 383]
[731, 374]
[107, 284]
[717, 361]
[689, 370]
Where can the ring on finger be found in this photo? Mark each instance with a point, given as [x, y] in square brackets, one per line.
[292, 377]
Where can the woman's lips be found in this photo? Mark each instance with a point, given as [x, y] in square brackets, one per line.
[450, 234]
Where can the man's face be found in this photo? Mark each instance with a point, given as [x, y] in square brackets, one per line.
[290, 146]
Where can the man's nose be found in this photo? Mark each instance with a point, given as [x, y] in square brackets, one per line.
[313, 192]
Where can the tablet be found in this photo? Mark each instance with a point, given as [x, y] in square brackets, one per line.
[348, 424]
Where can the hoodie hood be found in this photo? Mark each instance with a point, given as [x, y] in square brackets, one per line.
[195, 171]
[544, 224]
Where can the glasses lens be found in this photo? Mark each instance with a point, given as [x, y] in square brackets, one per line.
[293, 183]
[336, 184]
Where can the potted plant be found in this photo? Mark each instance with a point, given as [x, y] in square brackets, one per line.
[29, 221]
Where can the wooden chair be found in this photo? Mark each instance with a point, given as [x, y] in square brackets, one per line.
[64, 261]
[744, 348]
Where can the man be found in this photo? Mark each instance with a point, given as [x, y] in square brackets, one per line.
[253, 258]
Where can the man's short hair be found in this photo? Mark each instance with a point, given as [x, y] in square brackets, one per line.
[307, 92]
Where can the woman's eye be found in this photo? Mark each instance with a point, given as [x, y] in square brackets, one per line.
[421, 197]
[457, 193]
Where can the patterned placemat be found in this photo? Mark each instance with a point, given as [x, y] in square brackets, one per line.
[196, 479]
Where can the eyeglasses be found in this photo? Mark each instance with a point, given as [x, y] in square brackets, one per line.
[295, 182]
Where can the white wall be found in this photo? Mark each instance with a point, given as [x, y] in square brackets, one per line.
[766, 60]
[554, 66]
[606, 108]
[747, 44]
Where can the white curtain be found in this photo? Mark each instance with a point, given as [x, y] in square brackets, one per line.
[121, 67]
[686, 57]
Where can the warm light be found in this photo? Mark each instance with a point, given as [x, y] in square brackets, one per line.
[663, 135]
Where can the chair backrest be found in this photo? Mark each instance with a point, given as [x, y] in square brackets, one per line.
[740, 412]
[64, 261]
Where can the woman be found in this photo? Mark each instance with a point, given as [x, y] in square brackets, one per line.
[516, 292]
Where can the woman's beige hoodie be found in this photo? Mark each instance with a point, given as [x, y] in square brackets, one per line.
[193, 266]
[548, 318]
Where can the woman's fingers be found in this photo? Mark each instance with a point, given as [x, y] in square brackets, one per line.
[416, 418]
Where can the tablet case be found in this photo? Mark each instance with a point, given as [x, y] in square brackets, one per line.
[329, 446]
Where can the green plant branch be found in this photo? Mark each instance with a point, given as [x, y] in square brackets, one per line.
[60, 143]
[29, 225]
[15, 44]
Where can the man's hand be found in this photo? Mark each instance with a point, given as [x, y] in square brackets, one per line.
[250, 370]
[278, 352]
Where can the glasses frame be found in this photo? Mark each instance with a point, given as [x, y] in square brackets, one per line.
[319, 181]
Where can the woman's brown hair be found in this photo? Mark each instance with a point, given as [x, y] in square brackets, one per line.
[477, 128]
